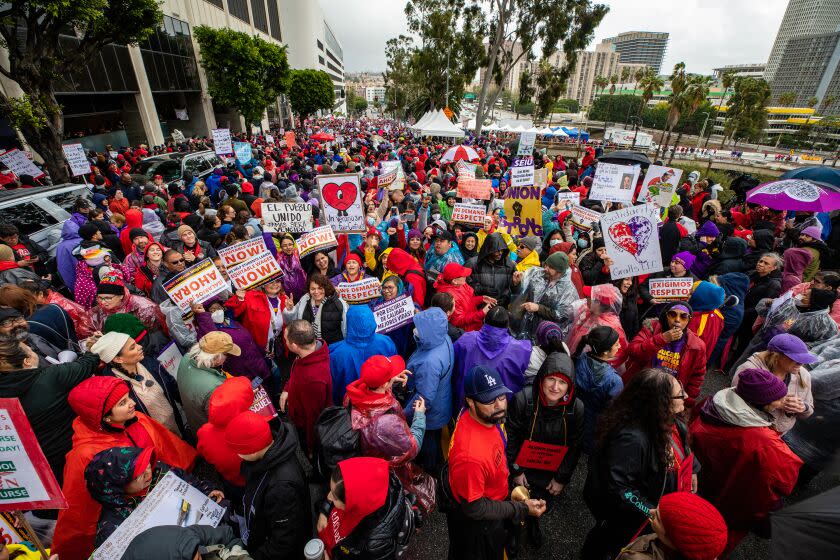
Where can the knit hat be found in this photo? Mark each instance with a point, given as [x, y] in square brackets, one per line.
[602, 338]
[812, 231]
[759, 387]
[117, 392]
[134, 233]
[547, 332]
[415, 233]
[373, 231]
[558, 261]
[109, 346]
[184, 229]
[353, 257]
[531, 242]
[378, 370]
[112, 285]
[87, 231]
[6, 253]
[454, 270]
[706, 296]
[564, 246]
[693, 525]
[125, 323]
[248, 433]
[597, 243]
[143, 460]
[684, 258]
[709, 229]
[93, 256]
[497, 317]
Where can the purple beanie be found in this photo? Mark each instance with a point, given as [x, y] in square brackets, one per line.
[759, 387]
[686, 258]
[546, 331]
[415, 233]
[314, 202]
[812, 231]
[709, 229]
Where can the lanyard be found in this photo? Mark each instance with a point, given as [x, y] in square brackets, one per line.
[249, 511]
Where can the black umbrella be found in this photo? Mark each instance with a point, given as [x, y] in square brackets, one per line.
[809, 530]
[625, 157]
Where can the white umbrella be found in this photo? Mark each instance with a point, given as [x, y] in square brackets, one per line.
[460, 152]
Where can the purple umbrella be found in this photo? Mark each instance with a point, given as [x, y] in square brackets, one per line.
[796, 194]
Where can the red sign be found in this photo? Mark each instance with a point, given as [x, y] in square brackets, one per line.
[26, 480]
[475, 188]
[541, 456]
[289, 137]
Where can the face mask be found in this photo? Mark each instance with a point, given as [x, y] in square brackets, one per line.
[370, 222]
[582, 243]
[553, 242]
[218, 316]
[435, 217]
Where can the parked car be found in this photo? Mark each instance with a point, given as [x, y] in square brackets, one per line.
[172, 166]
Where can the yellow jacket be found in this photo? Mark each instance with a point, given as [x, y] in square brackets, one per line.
[532, 260]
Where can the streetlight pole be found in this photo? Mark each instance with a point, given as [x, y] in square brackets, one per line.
[636, 120]
[703, 130]
[446, 100]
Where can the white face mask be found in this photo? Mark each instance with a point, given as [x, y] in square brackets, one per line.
[218, 316]
[553, 242]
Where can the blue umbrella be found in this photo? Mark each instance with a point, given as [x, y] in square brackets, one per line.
[819, 173]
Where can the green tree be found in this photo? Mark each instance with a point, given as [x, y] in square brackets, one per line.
[694, 96]
[600, 82]
[310, 91]
[651, 84]
[727, 81]
[613, 81]
[625, 75]
[827, 102]
[638, 75]
[356, 104]
[398, 77]
[47, 39]
[526, 90]
[244, 72]
[747, 113]
[615, 107]
[566, 106]
[787, 99]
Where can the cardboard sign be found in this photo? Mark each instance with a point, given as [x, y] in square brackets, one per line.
[243, 152]
[76, 159]
[289, 137]
[20, 164]
[178, 136]
[669, 289]
[162, 506]
[269, 139]
[522, 172]
[465, 170]
[541, 456]
[523, 211]
[221, 141]
[632, 241]
[614, 183]
[584, 217]
[282, 217]
[316, 240]
[659, 185]
[198, 283]
[526, 143]
[26, 480]
[361, 291]
[170, 358]
[341, 202]
[469, 213]
[392, 176]
[479, 189]
[541, 177]
[249, 264]
[567, 199]
[393, 314]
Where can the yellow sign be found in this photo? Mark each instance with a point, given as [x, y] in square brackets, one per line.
[523, 211]
[448, 112]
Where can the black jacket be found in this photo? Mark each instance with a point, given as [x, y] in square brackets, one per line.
[731, 257]
[491, 278]
[669, 240]
[562, 425]
[276, 501]
[762, 287]
[171, 542]
[592, 270]
[332, 316]
[207, 250]
[764, 242]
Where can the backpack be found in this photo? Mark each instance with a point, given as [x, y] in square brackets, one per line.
[336, 439]
[688, 243]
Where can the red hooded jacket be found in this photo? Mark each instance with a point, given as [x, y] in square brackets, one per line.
[466, 315]
[410, 271]
[233, 396]
[133, 219]
[254, 313]
[310, 391]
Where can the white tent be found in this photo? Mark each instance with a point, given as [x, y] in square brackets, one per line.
[533, 129]
[438, 125]
[545, 131]
[424, 119]
[559, 132]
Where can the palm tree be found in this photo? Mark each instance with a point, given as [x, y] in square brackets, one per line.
[787, 99]
[613, 81]
[727, 81]
[625, 75]
[600, 83]
[638, 75]
[651, 84]
[694, 95]
[675, 105]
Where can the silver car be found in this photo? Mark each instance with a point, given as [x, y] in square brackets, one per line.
[172, 166]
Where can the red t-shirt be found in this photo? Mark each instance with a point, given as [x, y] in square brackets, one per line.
[477, 464]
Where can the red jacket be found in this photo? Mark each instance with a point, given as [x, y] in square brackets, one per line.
[233, 396]
[746, 472]
[707, 325]
[254, 313]
[310, 392]
[692, 369]
[410, 271]
[466, 315]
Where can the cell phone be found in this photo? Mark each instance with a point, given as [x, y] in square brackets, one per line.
[409, 217]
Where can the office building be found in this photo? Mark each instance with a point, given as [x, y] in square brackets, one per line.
[810, 68]
[640, 47]
[740, 70]
[375, 94]
[802, 17]
[603, 61]
[780, 121]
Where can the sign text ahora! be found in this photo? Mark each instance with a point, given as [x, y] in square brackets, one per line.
[194, 285]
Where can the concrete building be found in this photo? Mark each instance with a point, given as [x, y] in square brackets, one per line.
[142, 93]
[802, 17]
[511, 82]
[780, 121]
[640, 47]
[603, 61]
[810, 68]
[739, 70]
[375, 94]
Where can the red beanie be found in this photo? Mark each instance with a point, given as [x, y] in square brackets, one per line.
[143, 460]
[379, 370]
[119, 391]
[353, 257]
[693, 525]
[248, 433]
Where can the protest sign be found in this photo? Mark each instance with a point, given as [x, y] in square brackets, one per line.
[163, 505]
[614, 183]
[567, 199]
[178, 136]
[316, 240]
[17, 161]
[393, 314]
[26, 480]
[465, 169]
[221, 141]
[249, 264]
[522, 172]
[523, 211]
[170, 358]
[269, 139]
[392, 176]
[243, 152]
[341, 202]
[584, 217]
[632, 241]
[659, 185]
[76, 159]
[196, 284]
[9, 534]
[289, 137]
[361, 291]
[386, 178]
[468, 213]
[541, 178]
[479, 189]
[262, 404]
[541, 456]
[282, 217]
[526, 143]
[668, 289]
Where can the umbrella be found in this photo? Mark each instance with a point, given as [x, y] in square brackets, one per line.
[796, 194]
[460, 152]
[808, 530]
[322, 137]
[625, 157]
[819, 173]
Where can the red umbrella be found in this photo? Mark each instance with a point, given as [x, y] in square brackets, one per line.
[322, 137]
[460, 152]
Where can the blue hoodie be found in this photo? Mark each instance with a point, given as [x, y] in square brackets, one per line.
[706, 297]
[597, 383]
[734, 284]
[431, 366]
[362, 342]
[65, 261]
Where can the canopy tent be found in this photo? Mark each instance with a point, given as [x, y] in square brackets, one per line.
[533, 129]
[575, 133]
[558, 131]
[545, 131]
[424, 119]
[437, 125]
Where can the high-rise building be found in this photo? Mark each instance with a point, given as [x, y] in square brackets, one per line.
[810, 68]
[640, 47]
[802, 17]
[740, 70]
[375, 94]
[603, 61]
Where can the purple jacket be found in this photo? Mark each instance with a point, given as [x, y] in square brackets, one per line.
[493, 347]
[65, 261]
[294, 278]
[251, 362]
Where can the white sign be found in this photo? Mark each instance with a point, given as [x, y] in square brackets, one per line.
[162, 506]
[19, 480]
[17, 161]
[319, 238]
[222, 142]
[360, 291]
[269, 139]
[341, 202]
[584, 216]
[614, 183]
[659, 185]
[526, 143]
[666, 289]
[249, 264]
[393, 314]
[469, 213]
[243, 152]
[76, 159]
[178, 136]
[632, 241]
[522, 174]
[170, 358]
[198, 283]
[282, 217]
[567, 199]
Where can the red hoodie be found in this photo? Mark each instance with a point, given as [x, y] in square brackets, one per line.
[310, 391]
[233, 396]
[133, 219]
[410, 271]
[466, 316]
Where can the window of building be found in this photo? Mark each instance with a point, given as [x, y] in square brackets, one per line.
[239, 9]
[321, 60]
[320, 44]
[217, 3]
[258, 13]
[274, 19]
[169, 58]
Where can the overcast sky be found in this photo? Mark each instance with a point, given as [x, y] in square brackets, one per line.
[704, 34]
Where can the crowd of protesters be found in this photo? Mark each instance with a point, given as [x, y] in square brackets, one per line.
[525, 360]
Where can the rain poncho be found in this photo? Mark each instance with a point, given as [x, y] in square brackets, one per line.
[556, 300]
[604, 309]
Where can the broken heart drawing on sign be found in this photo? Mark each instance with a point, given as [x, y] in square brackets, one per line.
[632, 236]
[341, 197]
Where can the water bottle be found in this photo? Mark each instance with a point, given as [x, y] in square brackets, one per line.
[314, 550]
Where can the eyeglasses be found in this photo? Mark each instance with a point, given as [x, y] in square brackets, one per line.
[681, 397]
[678, 315]
[179, 261]
[106, 298]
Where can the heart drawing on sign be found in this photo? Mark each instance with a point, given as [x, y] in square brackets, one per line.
[632, 236]
[341, 197]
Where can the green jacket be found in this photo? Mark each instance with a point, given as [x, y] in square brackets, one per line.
[195, 385]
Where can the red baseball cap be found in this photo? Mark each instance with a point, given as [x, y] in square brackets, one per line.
[455, 270]
[379, 370]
